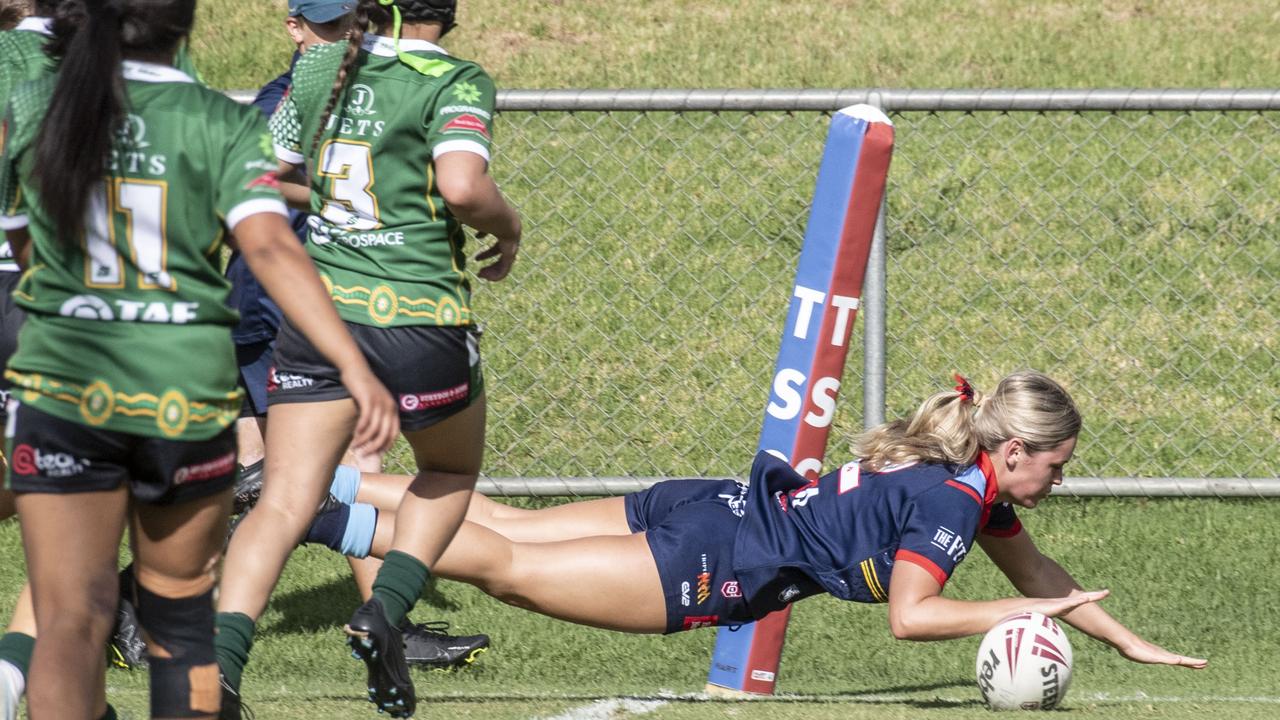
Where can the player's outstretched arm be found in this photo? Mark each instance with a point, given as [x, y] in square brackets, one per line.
[917, 610]
[1036, 575]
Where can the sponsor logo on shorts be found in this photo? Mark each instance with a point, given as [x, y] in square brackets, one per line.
[704, 581]
[287, 381]
[30, 461]
[730, 589]
[762, 675]
[466, 123]
[684, 593]
[788, 593]
[216, 468]
[411, 402]
[693, 622]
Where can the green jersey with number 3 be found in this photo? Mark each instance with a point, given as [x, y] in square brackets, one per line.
[385, 243]
[130, 331]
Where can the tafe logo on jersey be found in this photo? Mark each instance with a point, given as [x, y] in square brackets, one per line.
[361, 102]
[132, 132]
[92, 307]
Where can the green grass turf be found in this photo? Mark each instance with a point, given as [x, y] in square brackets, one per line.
[1132, 255]
[1188, 574]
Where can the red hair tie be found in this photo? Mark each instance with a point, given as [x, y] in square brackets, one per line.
[964, 388]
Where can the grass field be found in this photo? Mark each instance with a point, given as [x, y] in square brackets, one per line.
[1132, 255]
[1186, 573]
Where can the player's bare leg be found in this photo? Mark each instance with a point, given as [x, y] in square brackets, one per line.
[448, 455]
[304, 443]
[620, 569]
[23, 619]
[587, 518]
[71, 543]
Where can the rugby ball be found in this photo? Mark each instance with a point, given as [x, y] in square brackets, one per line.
[1024, 663]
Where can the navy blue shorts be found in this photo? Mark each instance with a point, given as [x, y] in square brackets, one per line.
[255, 361]
[690, 526]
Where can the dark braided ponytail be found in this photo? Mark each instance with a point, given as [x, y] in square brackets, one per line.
[367, 12]
[374, 13]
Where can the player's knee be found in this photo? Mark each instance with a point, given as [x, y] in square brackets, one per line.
[184, 669]
[283, 513]
[88, 613]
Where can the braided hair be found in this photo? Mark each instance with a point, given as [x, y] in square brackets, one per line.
[374, 12]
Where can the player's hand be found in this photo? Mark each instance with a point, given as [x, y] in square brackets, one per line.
[1141, 651]
[379, 420]
[504, 249]
[1053, 607]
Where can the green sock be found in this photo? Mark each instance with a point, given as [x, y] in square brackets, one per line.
[16, 647]
[399, 584]
[232, 645]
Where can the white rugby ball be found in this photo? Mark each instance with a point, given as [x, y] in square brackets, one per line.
[1024, 663]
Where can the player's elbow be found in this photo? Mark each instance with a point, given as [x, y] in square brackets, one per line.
[904, 624]
[463, 195]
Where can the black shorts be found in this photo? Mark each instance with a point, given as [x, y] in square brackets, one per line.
[432, 372]
[50, 455]
[690, 526]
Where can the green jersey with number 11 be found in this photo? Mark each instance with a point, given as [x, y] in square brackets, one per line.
[130, 331]
[386, 245]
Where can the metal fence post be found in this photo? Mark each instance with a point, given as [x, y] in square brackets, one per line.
[873, 319]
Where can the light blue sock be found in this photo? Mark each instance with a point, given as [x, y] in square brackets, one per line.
[358, 538]
[346, 483]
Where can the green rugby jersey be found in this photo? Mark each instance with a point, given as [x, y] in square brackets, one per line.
[22, 58]
[131, 331]
[386, 245]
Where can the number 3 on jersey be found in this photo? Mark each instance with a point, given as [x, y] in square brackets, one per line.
[349, 204]
[142, 203]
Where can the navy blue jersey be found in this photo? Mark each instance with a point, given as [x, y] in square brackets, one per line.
[259, 314]
[843, 532]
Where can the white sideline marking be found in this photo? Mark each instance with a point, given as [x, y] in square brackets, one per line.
[610, 709]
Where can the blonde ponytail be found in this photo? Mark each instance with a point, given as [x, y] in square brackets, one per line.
[951, 426]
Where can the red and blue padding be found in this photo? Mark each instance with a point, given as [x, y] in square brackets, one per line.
[815, 342]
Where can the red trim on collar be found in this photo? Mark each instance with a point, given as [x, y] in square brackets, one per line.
[989, 498]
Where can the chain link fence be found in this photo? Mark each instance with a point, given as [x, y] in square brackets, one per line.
[1125, 242]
